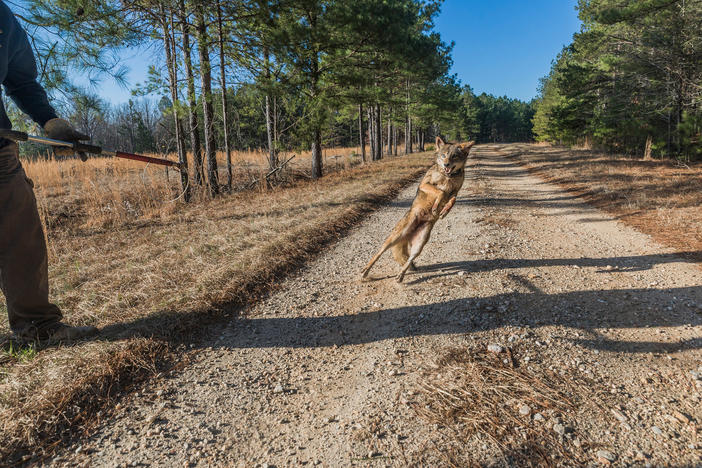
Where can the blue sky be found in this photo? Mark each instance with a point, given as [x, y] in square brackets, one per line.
[502, 47]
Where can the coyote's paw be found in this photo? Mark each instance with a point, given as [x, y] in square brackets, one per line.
[435, 208]
[445, 211]
[400, 277]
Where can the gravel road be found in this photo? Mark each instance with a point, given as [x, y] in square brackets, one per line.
[325, 370]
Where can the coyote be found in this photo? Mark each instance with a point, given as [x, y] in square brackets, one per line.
[435, 197]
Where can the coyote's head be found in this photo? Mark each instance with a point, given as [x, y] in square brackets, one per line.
[450, 157]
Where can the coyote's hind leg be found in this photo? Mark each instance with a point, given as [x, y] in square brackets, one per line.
[389, 242]
[400, 231]
[417, 242]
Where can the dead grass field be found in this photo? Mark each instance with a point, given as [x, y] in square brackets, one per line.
[104, 192]
[659, 198]
[154, 280]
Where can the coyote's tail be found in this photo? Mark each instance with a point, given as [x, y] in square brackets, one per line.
[400, 252]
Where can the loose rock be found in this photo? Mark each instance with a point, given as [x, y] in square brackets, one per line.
[619, 415]
[495, 348]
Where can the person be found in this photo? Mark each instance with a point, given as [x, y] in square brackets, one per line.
[24, 276]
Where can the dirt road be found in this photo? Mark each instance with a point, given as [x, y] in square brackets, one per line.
[325, 371]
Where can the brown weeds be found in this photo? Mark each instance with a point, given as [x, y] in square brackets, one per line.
[101, 371]
[106, 192]
[475, 396]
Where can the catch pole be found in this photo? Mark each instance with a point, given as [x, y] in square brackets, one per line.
[14, 135]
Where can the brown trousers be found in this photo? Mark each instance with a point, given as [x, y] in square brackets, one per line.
[24, 276]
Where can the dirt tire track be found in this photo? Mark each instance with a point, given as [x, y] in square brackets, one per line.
[324, 371]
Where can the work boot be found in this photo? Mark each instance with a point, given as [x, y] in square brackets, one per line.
[63, 333]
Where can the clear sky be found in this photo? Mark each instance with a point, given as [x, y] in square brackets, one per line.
[502, 47]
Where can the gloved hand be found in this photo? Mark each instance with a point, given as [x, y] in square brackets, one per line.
[59, 129]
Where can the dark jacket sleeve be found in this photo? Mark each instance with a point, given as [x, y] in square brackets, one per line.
[21, 81]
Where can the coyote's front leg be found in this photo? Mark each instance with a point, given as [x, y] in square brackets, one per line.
[447, 207]
[433, 192]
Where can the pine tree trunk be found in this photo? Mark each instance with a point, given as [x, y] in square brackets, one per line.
[406, 142]
[378, 129]
[378, 132]
[679, 106]
[389, 136]
[169, 48]
[371, 133]
[394, 137]
[223, 84]
[317, 130]
[408, 125]
[647, 149]
[317, 153]
[192, 102]
[361, 133]
[272, 159]
[275, 125]
[206, 96]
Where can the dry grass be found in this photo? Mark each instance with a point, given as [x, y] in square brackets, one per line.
[475, 396]
[660, 198]
[105, 192]
[154, 283]
[98, 373]
[497, 219]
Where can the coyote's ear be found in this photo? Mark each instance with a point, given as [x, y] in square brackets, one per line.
[467, 146]
[439, 142]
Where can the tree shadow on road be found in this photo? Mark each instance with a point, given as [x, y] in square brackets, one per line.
[529, 307]
[607, 264]
[583, 310]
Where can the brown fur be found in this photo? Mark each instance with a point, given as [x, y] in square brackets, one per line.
[435, 197]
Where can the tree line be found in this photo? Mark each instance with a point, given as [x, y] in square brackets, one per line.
[631, 80]
[276, 74]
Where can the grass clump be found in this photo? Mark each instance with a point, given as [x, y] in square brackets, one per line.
[485, 405]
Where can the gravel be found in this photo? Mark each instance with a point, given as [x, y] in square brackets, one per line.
[324, 370]
[559, 429]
